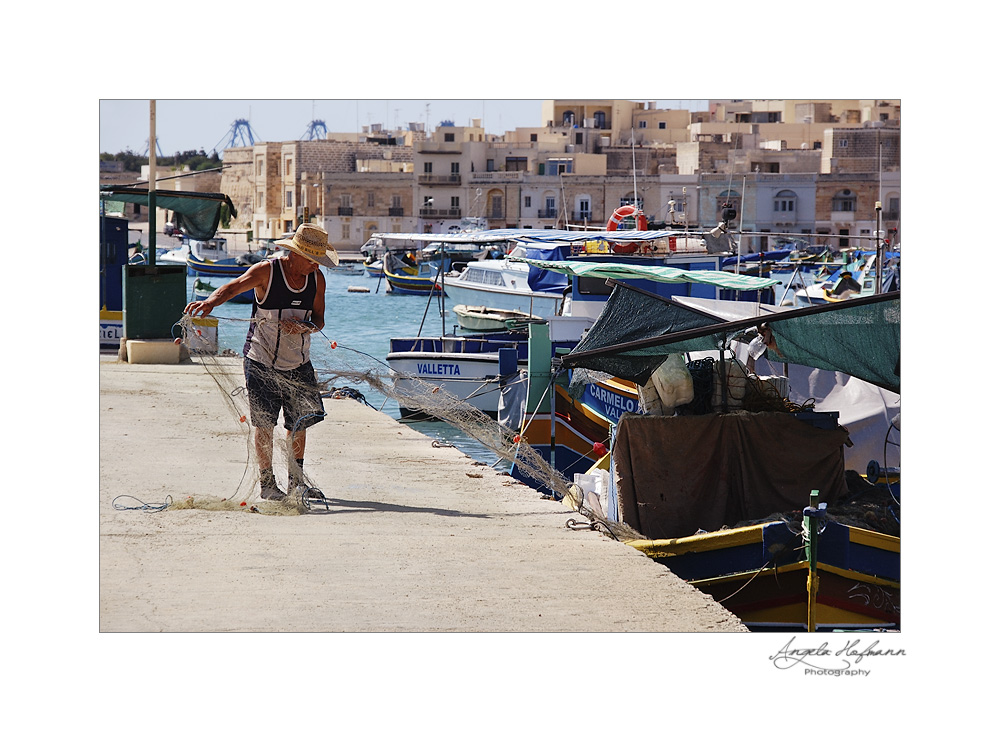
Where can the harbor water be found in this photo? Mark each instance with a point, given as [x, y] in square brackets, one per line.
[364, 322]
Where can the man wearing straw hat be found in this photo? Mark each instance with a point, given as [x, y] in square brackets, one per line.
[289, 305]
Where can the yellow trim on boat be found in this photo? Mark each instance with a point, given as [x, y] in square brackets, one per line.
[874, 539]
[798, 567]
[665, 548]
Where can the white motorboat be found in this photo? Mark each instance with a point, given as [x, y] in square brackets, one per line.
[500, 284]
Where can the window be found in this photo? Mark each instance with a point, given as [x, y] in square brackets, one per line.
[455, 168]
[371, 199]
[496, 206]
[642, 124]
[288, 166]
[428, 201]
[599, 120]
[428, 167]
[558, 166]
[568, 119]
[550, 206]
[260, 167]
[662, 125]
[527, 201]
[345, 232]
[892, 208]
[288, 199]
[345, 200]
[784, 202]
[583, 208]
[843, 143]
[449, 137]
[490, 165]
[593, 286]
[844, 201]
[397, 202]
[517, 163]
[534, 137]
[454, 202]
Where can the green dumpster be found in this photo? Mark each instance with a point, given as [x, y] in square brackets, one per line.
[154, 299]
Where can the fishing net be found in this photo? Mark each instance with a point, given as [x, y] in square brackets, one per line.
[341, 366]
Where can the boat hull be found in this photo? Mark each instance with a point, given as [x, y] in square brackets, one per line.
[222, 268]
[473, 379]
[484, 320]
[202, 290]
[536, 304]
[578, 433]
[411, 285]
[760, 574]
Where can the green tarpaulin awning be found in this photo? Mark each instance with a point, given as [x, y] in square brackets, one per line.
[670, 275]
[638, 330]
[197, 214]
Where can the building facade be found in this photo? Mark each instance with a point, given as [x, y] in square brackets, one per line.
[786, 166]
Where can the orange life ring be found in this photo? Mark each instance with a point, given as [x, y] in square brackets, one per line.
[621, 212]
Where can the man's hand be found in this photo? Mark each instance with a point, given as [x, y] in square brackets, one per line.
[198, 309]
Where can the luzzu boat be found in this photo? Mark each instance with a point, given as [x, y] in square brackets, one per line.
[411, 277]
[772, 578]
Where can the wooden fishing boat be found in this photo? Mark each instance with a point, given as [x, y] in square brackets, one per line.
[409, 277]
[485, 320]
[201, 289]
[228, 267]
[774, 577]
[469, 369]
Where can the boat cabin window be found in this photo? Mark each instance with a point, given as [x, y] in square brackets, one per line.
[484, 276]
[593, 286]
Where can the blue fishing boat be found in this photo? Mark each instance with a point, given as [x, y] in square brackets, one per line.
[227, 266]
[718, 490]
[406, 276]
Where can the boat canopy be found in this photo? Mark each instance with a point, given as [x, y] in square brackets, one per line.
[669, 275]
[197, 214]
[637, 330]
[531, 237]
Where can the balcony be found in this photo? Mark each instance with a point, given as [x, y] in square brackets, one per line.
[440, 180]
[345, 210]
[396, 211]
[498, 176]
[441, 213]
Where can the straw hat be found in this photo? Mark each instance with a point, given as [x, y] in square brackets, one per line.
[311, 242]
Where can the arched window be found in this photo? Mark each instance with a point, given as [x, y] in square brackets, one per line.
[845, 200]
[784, 202]
[568, 118]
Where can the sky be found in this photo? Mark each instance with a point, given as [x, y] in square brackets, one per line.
[196, 124]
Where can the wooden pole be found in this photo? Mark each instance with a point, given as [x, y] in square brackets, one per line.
[810, 520]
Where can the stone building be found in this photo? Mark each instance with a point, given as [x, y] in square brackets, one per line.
[787, 167]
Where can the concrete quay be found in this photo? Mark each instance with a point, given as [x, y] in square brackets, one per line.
[417, 538]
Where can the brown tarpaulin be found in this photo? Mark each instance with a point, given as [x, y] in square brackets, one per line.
[680, 474]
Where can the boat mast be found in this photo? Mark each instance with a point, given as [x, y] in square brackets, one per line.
[151, 216]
